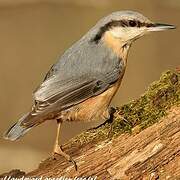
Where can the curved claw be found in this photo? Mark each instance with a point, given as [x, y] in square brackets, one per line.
[74, 163]
[58, 150]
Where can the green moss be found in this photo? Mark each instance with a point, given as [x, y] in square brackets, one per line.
[145, 111]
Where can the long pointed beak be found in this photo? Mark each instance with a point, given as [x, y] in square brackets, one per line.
[160, 27]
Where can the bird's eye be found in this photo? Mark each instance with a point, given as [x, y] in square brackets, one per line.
[132, 23]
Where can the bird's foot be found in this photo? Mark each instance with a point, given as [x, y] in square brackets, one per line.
[124, 121]
[110, 131]
[112, 111]
[58, 150]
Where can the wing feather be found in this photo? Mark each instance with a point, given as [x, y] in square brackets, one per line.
[56, 95]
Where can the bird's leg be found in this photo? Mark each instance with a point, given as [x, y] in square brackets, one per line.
[56, 144]
[57, 148]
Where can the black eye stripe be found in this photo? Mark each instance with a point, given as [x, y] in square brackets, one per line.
[121, 23]
[135, 23]
[124, 23]
[138, 24]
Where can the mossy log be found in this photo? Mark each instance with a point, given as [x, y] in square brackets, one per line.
[144, 141]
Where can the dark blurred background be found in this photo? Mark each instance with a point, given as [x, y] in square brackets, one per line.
[34, 32]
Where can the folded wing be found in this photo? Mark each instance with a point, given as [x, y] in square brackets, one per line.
[55, 95]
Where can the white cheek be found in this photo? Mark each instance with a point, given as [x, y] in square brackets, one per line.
[127, 33]
[118, 32]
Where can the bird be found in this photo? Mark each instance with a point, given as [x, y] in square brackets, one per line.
[85, 78]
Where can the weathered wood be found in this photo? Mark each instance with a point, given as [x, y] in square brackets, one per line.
[144, 142]
[152, 153]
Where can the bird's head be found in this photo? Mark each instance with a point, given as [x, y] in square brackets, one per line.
[127, 26]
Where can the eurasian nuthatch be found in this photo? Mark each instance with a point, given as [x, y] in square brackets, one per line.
[81, 85]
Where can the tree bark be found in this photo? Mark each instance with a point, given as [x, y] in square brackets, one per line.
[144, 141]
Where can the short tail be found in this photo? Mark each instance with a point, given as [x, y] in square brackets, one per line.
[17, 130]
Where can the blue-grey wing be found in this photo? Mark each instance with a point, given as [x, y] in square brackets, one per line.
[83, 71]
[56, 95]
